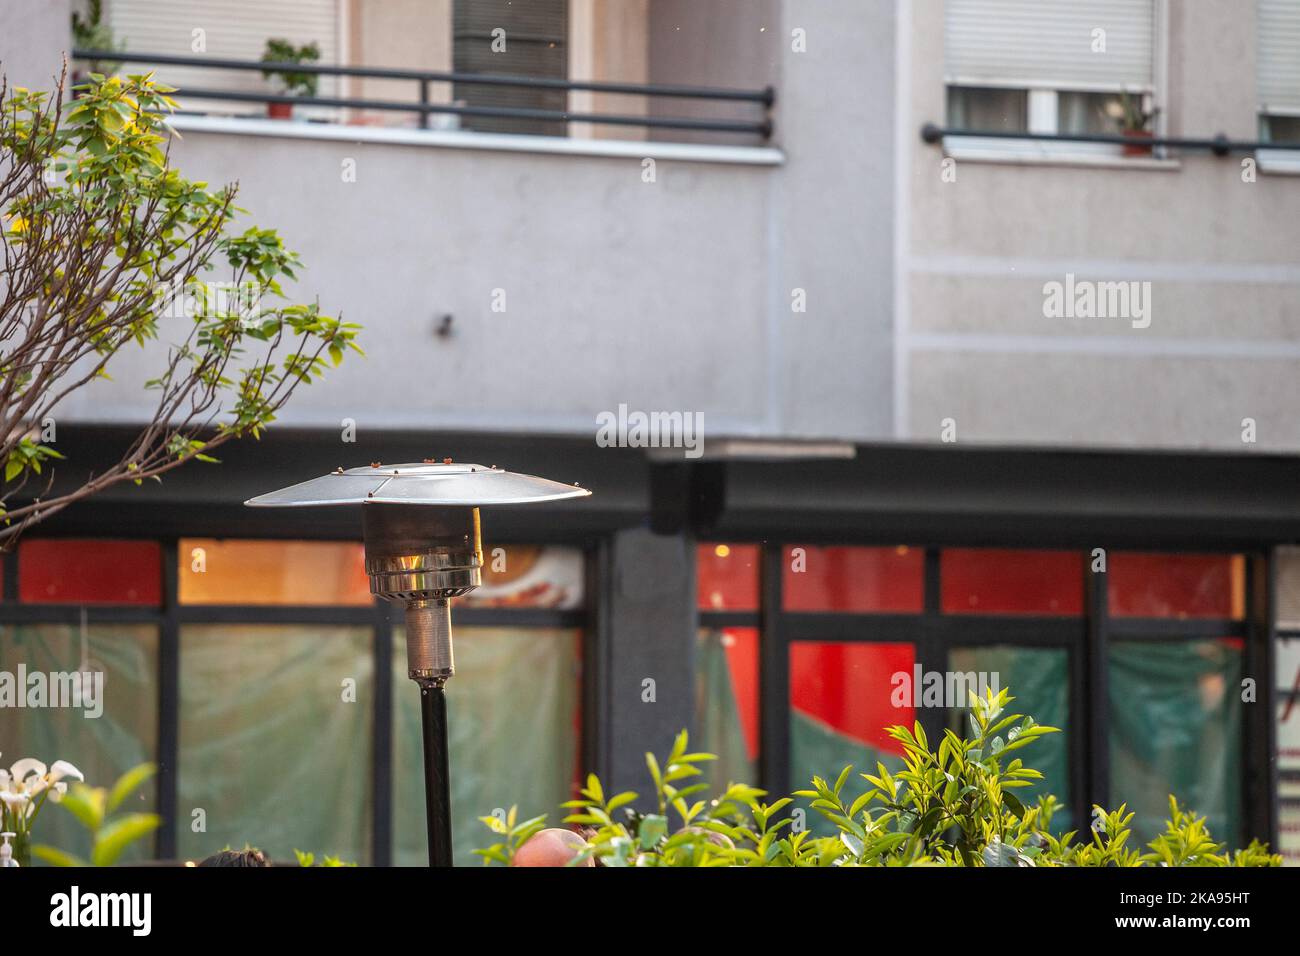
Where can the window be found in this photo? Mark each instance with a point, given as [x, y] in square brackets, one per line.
[1177, 585]
[727, 577]
[517, 39]
[843, 696]
[514, 726]
[233, 31]
[859, 638]
[114, 729]
[275, 739]
[726, 668]
[272, 572]
[727, 660]
[1039, 679]
[1175, 728]
[853, 579]
[247, 670]
[67, 571]
[1287, 690]
[1001, 581]
[1047, 66]
[1277, 64]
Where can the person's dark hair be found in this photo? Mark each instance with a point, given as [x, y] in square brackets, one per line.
[249, 857]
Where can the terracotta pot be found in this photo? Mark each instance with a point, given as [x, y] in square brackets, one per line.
[279, 110]
[1138, 149]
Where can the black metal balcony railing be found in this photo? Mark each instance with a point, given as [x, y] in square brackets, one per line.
[760, 127]
[1219, 145]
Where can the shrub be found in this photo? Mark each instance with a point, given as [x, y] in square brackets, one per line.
[955, 805]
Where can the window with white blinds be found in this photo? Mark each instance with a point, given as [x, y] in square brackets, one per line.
[1278, 57]
[1050, 44]
[231, 29]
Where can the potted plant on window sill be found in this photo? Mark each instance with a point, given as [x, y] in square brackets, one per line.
[289, 82]
[1135, 121]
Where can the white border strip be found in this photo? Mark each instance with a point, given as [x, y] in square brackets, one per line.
[1113, 345]
[500, 142]
[1016, 268]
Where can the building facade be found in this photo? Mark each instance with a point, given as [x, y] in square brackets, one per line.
[983, 391]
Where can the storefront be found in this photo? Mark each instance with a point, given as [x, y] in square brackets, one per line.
[787, 611]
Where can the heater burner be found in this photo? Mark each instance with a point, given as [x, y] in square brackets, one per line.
[421, 557]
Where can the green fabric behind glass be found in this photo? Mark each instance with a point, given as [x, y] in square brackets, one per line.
[717, 715]
[270, 748]
[818, 750]
[102, 748]
[1175, 727]
[1039, 681]
[512, 712]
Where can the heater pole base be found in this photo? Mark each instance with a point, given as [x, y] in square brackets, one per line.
[437, 776]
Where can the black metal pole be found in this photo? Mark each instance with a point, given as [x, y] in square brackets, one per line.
[437, 776]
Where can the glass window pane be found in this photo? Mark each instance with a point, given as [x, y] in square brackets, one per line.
[1288, 589]
[842, 697]
[987, 109]
[115, 729]
[1280, 129]
[854, 579]
[1288, 750]
[1082, 112]
[514, 721]
[529, 575]
[275, 733]
[1177, 585]
[72, 571]
[1175, 727]
[1039, 680]
[223, 571]
[726, 577]
[998, 581]
[726, 670]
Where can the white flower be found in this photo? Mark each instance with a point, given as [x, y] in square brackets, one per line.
[25, 767]
[63, 769]
[15, 801]
[29, 778]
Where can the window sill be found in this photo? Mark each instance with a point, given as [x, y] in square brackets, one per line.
[1036, 153]
[497, 142]
[1280, 162]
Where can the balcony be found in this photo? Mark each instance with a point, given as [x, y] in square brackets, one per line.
[464, 250]
[240, 100]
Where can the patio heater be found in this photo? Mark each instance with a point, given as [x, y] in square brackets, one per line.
[421, 530]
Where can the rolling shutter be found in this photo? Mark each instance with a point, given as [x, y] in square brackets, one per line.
[1048, 44]
[536, 38]
[233, 30]
[1278, 59]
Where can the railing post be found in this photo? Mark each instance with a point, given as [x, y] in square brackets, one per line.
[424, 102]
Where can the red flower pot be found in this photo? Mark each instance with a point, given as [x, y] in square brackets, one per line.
[279, 110]
[1138, 149]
